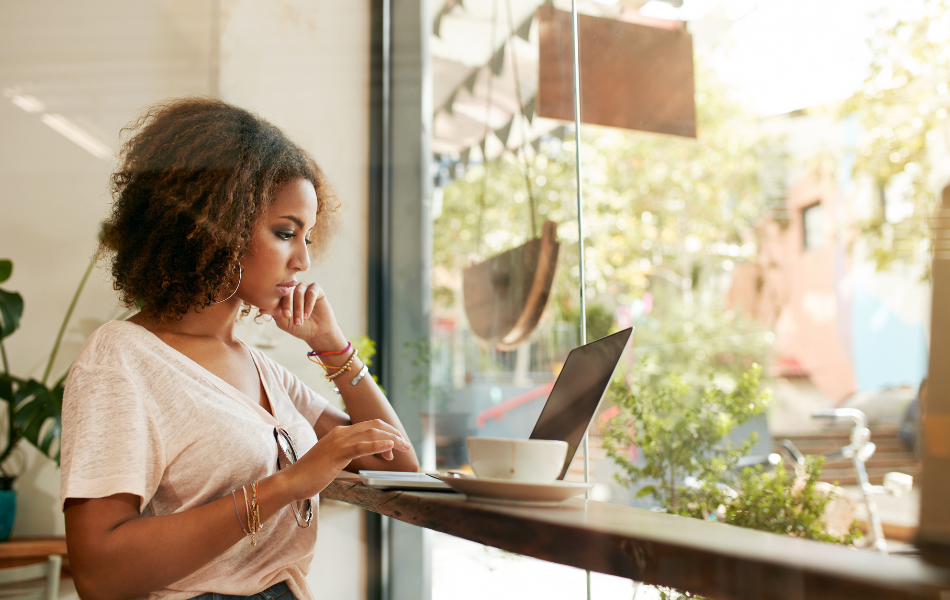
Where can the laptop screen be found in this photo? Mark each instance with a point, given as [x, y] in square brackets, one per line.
[578, 391]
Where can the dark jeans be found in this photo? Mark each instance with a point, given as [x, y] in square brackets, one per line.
[278, 591]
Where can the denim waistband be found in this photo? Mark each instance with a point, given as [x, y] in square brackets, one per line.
[278, 591]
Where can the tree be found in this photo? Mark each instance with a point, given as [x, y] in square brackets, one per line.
[690, 469]
[773, 501]
[657, 207]
[902, 107]
[680, 431]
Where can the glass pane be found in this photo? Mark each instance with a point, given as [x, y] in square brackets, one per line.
[774, 264]
[504, 246]
[755, 205]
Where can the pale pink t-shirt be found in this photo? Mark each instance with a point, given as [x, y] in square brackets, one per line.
[141, 418]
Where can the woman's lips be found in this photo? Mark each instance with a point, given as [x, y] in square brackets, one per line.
[287, 288]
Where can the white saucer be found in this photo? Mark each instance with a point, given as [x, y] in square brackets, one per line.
[505, 490]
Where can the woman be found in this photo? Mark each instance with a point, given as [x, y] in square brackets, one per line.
[179, 441]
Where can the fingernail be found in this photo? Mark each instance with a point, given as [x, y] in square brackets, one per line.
[288, 314]
[298, 321]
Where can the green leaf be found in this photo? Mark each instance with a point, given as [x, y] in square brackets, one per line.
[11, 308]
[6, 269]
[6, 387]
[646, 490]
[38, 415]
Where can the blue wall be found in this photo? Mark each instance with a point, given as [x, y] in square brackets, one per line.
[887, 351]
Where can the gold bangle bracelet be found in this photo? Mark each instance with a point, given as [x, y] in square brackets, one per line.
[346, 367]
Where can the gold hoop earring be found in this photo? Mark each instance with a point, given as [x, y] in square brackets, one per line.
[240, 272]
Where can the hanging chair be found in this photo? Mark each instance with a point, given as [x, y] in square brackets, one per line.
[505, 295]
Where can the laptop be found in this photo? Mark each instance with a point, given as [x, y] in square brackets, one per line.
[567, 413]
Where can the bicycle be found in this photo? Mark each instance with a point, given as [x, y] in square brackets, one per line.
[859, 451]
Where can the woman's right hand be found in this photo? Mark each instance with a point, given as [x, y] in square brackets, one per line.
[337, 449]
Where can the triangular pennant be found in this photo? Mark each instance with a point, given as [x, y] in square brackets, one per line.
[476, 155]
[449, 104]
[503, 133]
[471, 81]
[524, 30]
[481, 146]
[437, 25]
[498, 61]
[463, 156]
[528, 111]
[536, 144]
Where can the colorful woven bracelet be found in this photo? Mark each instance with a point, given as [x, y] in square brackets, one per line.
[331, 352]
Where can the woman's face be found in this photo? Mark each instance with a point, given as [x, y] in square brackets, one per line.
[278, 249]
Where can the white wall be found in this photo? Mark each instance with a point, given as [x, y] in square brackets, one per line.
[302, 65]
[97, 63]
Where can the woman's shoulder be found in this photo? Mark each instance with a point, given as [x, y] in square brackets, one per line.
[273, 372]
[114, 344]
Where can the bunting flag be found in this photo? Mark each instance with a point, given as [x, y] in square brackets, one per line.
[463, 156]
[437, 24]
[498, 61]
[471, 81]
[524, 30]
[481, 146]
[528, 111]
[536, 144]
[448, 106]
[504, 132]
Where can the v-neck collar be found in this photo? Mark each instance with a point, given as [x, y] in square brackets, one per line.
[223, 385]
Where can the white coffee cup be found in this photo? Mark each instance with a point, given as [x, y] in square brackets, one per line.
[529, 461]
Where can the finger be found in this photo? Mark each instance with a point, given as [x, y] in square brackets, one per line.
[369, 448]
[311, 300]
[375, 429]
[381, 430]
[388, 455]
[399, 443]
[298, 295]
[286, 307]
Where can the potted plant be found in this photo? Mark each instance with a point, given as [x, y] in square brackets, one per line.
[33, 407]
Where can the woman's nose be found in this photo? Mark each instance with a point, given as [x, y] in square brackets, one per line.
[301, 258]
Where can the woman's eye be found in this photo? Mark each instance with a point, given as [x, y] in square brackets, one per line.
[284, 235]
[308, 241]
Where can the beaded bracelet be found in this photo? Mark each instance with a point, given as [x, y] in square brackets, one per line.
[344, 368]
[314, 357]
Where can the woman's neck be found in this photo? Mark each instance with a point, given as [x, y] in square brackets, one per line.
[215, 321]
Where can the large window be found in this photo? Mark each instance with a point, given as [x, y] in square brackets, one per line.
[708, 131]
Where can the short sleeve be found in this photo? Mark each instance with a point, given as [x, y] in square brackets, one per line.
[308, 402]
[111, 442]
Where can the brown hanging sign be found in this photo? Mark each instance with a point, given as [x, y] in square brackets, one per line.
[632, 76]
[505, 295]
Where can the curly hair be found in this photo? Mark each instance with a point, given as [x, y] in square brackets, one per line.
[194, 179]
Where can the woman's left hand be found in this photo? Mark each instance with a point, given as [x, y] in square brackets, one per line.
[306, 314]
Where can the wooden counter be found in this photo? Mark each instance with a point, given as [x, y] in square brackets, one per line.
[721, 561]
[29, 550]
